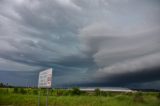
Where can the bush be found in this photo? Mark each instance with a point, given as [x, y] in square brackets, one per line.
[97, 92]
[158, 96]
[59, 93]
[4, 90]
[15, 90]
[67, 92]
[104, 93]
[138, 97]
[35, 91]
[76, 91]
[22, 91]
[129, 93]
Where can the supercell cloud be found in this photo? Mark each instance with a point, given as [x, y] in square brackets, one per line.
[87, 42]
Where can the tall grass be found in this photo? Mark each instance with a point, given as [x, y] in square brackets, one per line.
[9, 97]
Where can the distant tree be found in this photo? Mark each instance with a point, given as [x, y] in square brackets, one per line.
[22, 91]
[15, 90]
[1, 84]
[97, 92]
[105, 93]
[76, 91]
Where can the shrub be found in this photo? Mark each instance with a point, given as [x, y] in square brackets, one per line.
[59, 93]
[158, 96]
[67, 92]
[35, 91]
[97, 92]
[104, 93]
[4, 90]
[76, 91]
[138, 97]
[15, 90]
[54, 92]
[129, 93]
[2, 85]
[22, 91]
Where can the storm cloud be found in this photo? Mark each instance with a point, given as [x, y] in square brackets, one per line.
[87, 42]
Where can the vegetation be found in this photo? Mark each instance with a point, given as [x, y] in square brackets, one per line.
[158, 96]
[138, 97]
[76, 91]
[75, 97]
[97, 92]
[5, 85]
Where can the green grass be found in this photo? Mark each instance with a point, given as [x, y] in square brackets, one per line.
[116, 99]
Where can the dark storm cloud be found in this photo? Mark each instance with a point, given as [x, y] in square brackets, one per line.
[19, 78]
[140, 79]
[39, 34]
[34, 36]
[91, 42]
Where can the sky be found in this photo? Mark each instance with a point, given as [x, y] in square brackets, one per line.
[88, 43]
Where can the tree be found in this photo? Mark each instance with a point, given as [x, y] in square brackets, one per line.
[15, 90]
[1, 84]
[97, 92]
[76, 91]
[22, 91]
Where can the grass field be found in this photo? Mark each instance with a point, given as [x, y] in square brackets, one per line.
[8, 98]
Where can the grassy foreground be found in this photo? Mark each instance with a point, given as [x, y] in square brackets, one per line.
[116, 99]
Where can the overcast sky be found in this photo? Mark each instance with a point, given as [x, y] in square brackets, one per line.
[86, 42]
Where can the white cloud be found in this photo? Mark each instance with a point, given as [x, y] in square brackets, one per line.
[131, 66]
[68, 3]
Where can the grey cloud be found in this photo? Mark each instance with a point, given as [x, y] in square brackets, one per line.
[83, 40]
[122, 52]
[121, 55]
[37, 34]
[132, 66]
